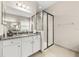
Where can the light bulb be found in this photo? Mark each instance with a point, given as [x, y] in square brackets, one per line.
[19, 4]
[27, 7]
[23, 6]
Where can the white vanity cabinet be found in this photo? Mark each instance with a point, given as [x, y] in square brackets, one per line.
[30, 45]
[17, 47]
[27, 46]
[36, 43]
[1, 48]
[12, 48]
[12, 51]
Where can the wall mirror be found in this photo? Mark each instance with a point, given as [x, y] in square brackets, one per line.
[15, 18]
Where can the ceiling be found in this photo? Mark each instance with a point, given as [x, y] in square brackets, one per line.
[35, 6]
[45, 4]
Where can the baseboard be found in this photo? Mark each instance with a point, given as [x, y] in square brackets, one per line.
[66, 48]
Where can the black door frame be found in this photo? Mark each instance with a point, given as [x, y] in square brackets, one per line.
[47, 28]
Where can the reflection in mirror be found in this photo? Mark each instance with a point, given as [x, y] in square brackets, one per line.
[14, 20]
[39, 21]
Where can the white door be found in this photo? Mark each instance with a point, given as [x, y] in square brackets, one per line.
[26, 46]
[12, 51]
[36, 44]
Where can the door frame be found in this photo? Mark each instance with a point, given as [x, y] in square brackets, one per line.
[47, 28]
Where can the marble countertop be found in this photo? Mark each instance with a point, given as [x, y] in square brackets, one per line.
[19, 36]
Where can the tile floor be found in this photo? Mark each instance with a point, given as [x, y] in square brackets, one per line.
[56, 51]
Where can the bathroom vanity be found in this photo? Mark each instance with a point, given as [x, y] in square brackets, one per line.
[20, 46]
[24, 34]
[20, 38]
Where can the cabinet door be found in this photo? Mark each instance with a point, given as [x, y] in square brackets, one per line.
[26, 47]
[36, 44]
[12, 51]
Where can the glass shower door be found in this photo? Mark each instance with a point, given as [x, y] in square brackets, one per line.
[48, 28]
[45, 29]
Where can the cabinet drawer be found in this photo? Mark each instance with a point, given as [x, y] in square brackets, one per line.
[11, 42]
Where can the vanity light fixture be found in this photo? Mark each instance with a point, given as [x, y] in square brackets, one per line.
[27, 7]
[19, 4]
[22, 6]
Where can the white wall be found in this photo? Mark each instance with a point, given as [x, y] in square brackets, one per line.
[1, 27]
[66, 24]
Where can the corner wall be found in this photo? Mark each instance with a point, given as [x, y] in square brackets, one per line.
[66, 16]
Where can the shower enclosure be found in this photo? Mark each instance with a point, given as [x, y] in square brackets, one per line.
[44, 21]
